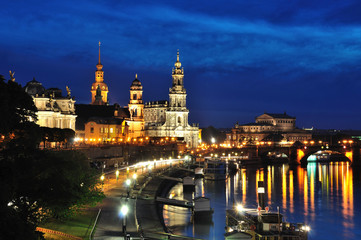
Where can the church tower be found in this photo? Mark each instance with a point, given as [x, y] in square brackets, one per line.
[136, 106]
[177, 112]
[99, 87]
[177, 94]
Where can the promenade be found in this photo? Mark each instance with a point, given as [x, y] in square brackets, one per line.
[142, 219]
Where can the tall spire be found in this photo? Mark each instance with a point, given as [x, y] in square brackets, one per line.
[99, 65]
[99, 54]
[177, 64]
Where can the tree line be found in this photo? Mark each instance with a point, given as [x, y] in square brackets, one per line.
[37, 184]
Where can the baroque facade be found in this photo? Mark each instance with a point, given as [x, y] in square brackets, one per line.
[268, 127]
[170, 119]
[54, 110]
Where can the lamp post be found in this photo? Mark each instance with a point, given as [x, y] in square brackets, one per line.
[117, 174]
[124, 211]
[102, 177]
[135, 179]
[127, 182]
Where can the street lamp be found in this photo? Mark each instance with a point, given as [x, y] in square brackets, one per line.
[102, 177]
[124, 209]
[117, 174]
[127, 182]
[135, 179]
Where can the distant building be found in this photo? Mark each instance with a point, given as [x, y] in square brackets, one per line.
[99, 89]
[54, 110]
[267, 127]
[170, 119]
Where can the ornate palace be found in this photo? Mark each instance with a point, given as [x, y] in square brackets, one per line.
[54, 110]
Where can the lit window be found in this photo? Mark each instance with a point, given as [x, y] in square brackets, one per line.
[111, 130]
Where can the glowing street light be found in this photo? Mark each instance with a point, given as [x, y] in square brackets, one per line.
[102, 177]
[128, 182]
[117, 174]
[124, 210]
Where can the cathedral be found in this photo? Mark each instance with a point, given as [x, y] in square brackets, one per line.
[170, 118]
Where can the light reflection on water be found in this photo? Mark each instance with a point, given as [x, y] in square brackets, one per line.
[321, 195]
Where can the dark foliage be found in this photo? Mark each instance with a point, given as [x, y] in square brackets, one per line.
[211, 132]
[36, 184]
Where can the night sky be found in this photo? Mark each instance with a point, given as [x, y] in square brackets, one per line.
[240, 58]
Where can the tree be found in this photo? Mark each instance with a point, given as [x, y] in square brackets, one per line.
[34, 183]
[16, 105]
[211, 132]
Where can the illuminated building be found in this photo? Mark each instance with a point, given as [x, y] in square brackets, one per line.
[170, 119]
[135, 108]
[99, 89]
[99, 115]
[268, 127]
[100, 130]
[54, 110]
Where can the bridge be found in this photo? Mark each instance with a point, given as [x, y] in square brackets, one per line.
[172, 178]
[175, 202]
[294, 154]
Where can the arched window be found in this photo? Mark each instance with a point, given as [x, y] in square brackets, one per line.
[179, 120]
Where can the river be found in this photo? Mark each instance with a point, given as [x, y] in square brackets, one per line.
[327, 197]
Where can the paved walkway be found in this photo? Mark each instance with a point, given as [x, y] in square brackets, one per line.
[110, 222]
[140, 199]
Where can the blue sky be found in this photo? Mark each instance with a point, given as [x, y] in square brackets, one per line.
[241, 58]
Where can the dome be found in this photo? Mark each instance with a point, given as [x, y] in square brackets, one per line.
[136, 84]
[34, 88]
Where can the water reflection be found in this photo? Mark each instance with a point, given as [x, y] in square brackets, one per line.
[321, 195]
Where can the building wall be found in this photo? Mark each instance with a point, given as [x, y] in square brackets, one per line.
[96, 132]
[154, 113]
[55, 113]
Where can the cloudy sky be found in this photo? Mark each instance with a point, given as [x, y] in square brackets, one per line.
[241, 58]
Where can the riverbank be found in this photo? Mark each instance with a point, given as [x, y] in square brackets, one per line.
[144, 218]
[149, 213]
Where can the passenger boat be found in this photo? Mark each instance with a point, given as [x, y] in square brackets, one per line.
[261, 223]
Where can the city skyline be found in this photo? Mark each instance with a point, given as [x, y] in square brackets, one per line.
[240, 59]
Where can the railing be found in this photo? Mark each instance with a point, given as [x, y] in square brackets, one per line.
[49, 231]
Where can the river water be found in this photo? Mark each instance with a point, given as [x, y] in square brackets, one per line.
[327, 197]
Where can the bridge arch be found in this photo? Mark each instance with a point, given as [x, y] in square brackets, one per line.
[324, 155]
